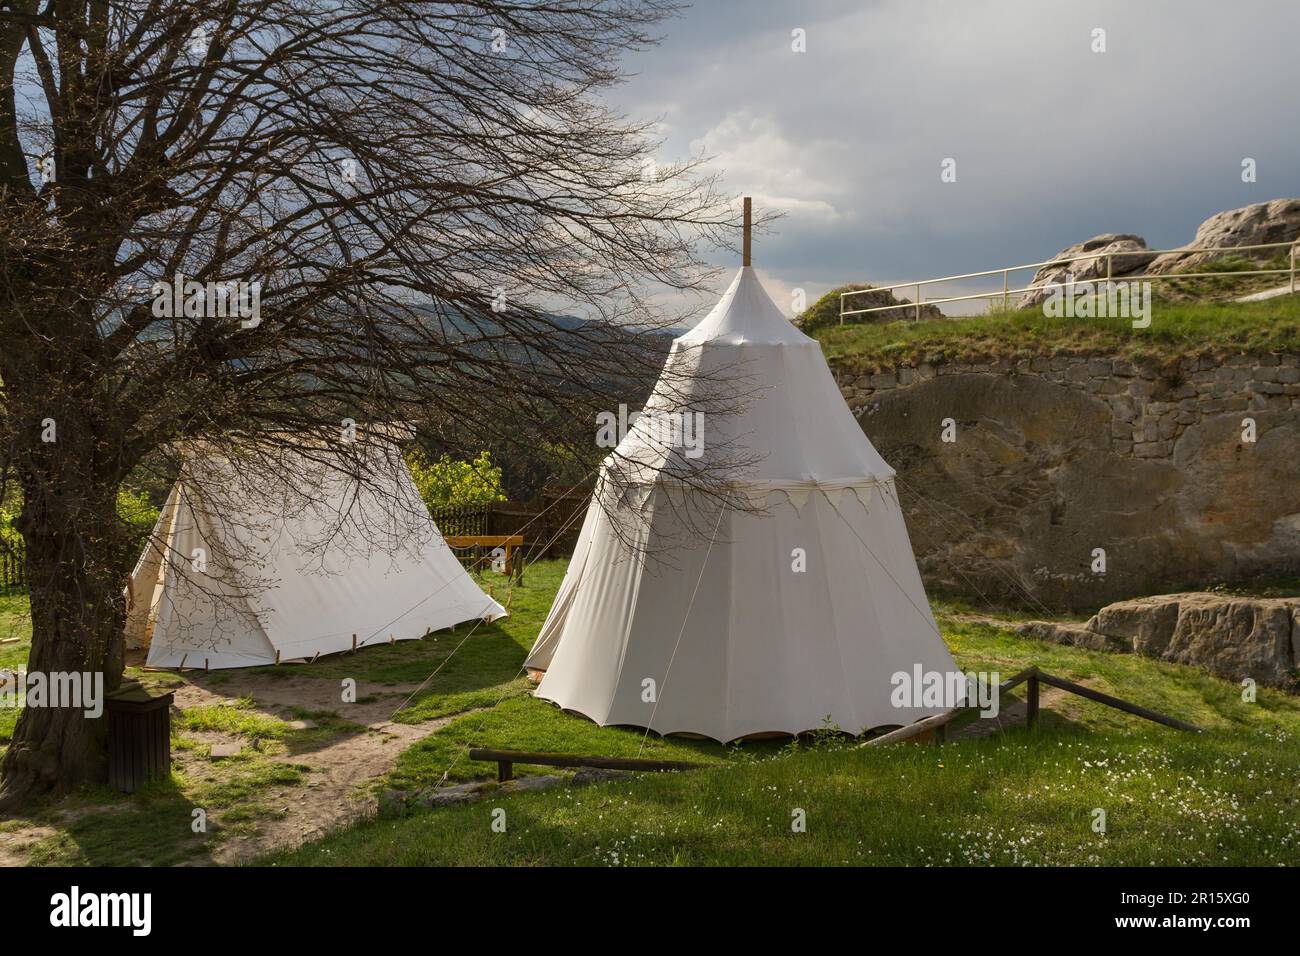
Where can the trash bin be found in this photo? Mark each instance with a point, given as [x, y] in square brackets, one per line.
[139, 736]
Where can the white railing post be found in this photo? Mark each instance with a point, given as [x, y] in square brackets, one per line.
[918, 302]
[1293, 270]
[1006, 284]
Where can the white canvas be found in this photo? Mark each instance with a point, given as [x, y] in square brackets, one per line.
[293, 573]
[734, 641]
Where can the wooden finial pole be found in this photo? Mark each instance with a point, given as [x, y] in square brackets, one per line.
[748, 217]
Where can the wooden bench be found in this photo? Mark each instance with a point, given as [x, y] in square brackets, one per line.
[489, 541]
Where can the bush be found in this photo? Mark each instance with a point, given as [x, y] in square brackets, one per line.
[448, 483]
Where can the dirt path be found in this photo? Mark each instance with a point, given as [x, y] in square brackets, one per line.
[332, 794]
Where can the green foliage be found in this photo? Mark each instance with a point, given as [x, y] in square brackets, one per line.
[825, 312]
[137, 512]
[134, 508]
[8, 533]
[447, 483]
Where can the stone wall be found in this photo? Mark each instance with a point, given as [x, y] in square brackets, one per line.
[1056, 456]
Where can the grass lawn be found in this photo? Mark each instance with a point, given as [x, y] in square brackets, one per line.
[98, 826]
[16, 632]
[1176, 328]
[1231, 795]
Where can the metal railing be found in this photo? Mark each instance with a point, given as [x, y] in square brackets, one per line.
[1110, 257]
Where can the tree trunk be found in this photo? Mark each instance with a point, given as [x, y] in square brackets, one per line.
[74, 575]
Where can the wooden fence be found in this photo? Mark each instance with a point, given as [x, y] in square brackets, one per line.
[549, 523]
[13, 565]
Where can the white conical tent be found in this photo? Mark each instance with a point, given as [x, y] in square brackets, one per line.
[243, 569]
[725, 637]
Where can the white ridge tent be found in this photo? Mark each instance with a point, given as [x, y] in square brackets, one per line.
[726, 639]
[286, 573]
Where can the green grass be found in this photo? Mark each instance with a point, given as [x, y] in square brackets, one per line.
[1019, 799]
[15, 622]
[153, 827]
[1176, 328]
[1227, 796]
[1231, 795]
[473, 670]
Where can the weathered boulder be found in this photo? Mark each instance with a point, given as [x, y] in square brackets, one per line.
[825, 312]
[1257, 224]
[1144, 626]
[1237, 637]
[1076, 635]
[1128, 256]
[1233, 637]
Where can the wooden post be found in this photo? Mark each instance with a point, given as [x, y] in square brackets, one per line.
[505, 771]
[1061, 683]
[748, 223]
[1031, 700]
[354, 643]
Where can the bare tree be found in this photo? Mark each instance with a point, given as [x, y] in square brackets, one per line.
[248, 222]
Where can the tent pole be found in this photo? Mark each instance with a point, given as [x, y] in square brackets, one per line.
[748, 215]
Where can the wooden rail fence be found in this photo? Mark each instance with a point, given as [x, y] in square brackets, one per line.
[549, 523]
[13, 566]
[506, 759]
[1032, 678]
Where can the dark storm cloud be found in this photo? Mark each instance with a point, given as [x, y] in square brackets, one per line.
[1054, 143]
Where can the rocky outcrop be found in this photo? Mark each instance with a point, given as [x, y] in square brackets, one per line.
[825, 312]
[1257, 224]
[1053, 459]
[1127, 255]
[1233, 637]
